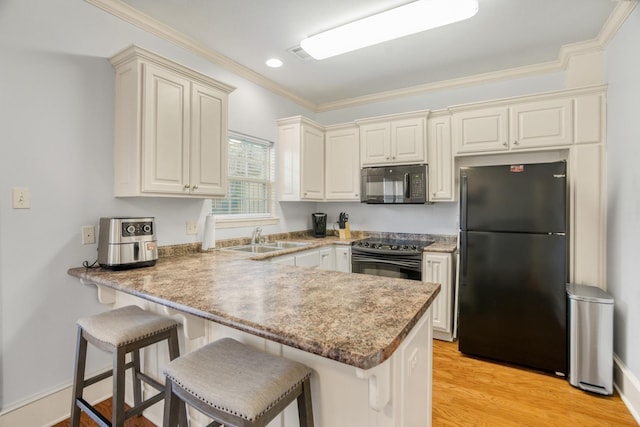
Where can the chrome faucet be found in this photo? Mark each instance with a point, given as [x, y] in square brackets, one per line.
[255, 237]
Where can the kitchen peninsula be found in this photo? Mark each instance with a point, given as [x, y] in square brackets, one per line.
[367, 338]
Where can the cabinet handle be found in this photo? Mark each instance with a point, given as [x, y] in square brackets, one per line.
[388, 158]
[195, 187]
[504, 143]
[186, 187]
[515, 142]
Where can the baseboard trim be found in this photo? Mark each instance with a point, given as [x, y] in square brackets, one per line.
[53, 407]
[628, 386]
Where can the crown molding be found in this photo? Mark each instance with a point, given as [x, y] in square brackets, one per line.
[129, 14]
[133, 16]
[618, 16]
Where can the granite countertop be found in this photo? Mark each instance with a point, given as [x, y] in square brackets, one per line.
[355, 319]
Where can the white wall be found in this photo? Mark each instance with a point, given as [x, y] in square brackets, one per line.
[623, 187]
[56, 137]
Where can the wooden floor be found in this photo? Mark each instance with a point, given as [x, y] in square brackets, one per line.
[105, 409]
[472, 392]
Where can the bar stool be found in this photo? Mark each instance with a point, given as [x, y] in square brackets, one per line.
[121, 331]
[236, 385]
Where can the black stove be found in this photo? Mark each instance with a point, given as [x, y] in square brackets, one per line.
[395, 258]
[391, 245]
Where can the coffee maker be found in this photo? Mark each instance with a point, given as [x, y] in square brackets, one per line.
[319, 223]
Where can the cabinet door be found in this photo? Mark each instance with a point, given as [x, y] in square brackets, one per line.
[408, 140]
[375, 143]
[437, 269]
[542, 124]
[208, 167]
[440, 159]
[343, 259]
[327, 259]
[342, 173]
[289, 162]
[481, 130]
[312, 159]
[284, 260]
[165, 147]
[308, 259]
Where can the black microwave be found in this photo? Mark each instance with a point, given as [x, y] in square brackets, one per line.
[395, 184]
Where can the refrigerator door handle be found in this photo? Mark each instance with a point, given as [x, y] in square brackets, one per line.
[463, 202]
[463, 257]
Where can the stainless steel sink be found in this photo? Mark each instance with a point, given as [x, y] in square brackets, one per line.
[255, 249]
[266, 247]
[287, 245]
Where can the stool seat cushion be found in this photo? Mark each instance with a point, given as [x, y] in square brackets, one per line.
[125, 325]
[234, 378]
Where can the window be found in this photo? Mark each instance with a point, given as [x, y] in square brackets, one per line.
[250, 180]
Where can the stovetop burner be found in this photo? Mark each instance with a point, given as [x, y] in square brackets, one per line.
[392, 244]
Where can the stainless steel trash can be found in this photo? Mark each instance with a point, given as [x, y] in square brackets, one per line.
[590, 338]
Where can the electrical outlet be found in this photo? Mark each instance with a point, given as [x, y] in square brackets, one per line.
[88, 234]
[21, 198]
[192, 227]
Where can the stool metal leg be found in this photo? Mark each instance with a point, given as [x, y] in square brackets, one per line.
[171, 406]
[78, 378]
[305, 408]
[174, 353]
[137, 382]
[118, 387]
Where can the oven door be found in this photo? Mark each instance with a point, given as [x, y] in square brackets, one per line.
[400, 266]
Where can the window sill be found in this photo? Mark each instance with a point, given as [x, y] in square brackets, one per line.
[246, 222]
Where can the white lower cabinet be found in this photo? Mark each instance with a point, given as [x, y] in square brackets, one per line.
[284, 260]
[327, 259]
[343, 259]
[438, 268]
[332, 258]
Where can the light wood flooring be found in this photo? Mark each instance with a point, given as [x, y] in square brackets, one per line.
[472, 392]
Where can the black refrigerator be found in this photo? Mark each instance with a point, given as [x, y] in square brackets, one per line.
[513, 267]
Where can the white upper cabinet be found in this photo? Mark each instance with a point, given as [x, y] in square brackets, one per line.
[397, 139]
[440, 159]
[481, 130]
[536, 122]
[342, 172]
[170, 128]
[300, 159]
[541, 124]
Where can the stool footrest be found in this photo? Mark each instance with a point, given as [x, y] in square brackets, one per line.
[147, 379]
[92, 413]
[143, 405]
[97, 378]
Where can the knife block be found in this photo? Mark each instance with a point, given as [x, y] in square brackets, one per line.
[345, 233]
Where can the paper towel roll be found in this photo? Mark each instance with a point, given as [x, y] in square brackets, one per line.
[209, 237]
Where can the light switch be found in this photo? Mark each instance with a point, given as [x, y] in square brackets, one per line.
[21, 198]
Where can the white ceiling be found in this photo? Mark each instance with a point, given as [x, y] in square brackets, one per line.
[503, 35]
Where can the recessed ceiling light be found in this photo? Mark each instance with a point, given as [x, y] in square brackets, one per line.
[274, 63]
[394, 23]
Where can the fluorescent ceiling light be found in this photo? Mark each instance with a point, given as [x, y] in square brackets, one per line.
[402, 21]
